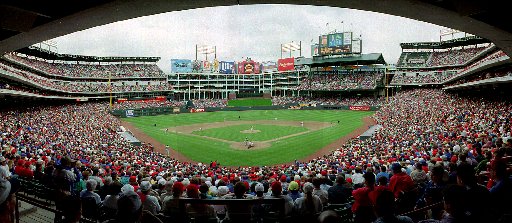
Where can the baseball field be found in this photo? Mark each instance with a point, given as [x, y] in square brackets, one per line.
[276, 136]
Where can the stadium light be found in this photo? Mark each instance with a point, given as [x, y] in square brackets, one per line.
[290, 47]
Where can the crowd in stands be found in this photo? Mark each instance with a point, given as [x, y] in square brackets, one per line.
[147, 104]
[424, 78]
[89, 70]
[209, 103]
[75, 86]
[347, 101]
[453, 56]
[360, 80]
[490, 58]
[483, 76]
[429, 151]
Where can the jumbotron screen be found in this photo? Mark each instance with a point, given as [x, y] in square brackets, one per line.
[336, 43]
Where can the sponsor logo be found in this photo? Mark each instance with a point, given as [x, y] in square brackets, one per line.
[359, 108]
[194, 110]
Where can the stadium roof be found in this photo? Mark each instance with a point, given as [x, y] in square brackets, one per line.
[464, 41]
[362, 59]
[49, 55]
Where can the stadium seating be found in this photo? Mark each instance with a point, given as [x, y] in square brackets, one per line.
[428, 127]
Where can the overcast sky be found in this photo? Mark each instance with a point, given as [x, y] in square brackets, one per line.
[254, 31]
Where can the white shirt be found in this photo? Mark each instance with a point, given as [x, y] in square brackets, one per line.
[4, 172]
[151, 204]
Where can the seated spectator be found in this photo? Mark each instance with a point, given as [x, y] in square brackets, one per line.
[89, 192]
[129, 207]
[310, 204]
[385, 209]
[293, 190]
[198, 212]
[501, 192]
[149, 202]
[322, 194]
[478, 200]
[339, 193]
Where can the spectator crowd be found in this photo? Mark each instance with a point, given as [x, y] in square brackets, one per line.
[433, 148]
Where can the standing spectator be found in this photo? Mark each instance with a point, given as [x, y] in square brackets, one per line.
[399, 182]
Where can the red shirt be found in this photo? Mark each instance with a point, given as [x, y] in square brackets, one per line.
[361, 198]
[400, 182]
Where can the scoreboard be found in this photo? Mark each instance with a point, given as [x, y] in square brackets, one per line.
[336, 43]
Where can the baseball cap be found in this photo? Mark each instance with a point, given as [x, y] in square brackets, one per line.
[145, 186]
[259, 187]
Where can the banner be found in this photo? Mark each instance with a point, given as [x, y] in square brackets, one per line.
[181, 66]
[359, 108]
[248, 67]
[195, 110]
[285, 64]
[196, 66]
[322, 40]
[335, 39]
[129, 113]
[215, 66]
[206, 66]
[314, 50]
[356, 46]
[347, 38]
[268, 67]
[227, 67]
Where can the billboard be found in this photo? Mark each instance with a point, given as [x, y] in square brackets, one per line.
[314, 50]
[356, 46]
[335, 50]
[196, 66]
[227, 67]
[322, 40]
[181, 66]
[248, 67]
[285, 64]
[206, 66]
[268, 67]
[215, 66]
[347, 38]
[335, 39]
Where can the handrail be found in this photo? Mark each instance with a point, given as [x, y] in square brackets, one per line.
[414, 211]
[40, 204]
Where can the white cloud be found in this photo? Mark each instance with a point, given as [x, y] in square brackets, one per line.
[254, 31]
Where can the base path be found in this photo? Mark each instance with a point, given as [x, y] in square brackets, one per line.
[312, 126]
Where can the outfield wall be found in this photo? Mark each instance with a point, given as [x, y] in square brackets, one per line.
[175, 110]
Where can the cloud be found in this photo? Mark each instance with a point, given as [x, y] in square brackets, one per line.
[254, 31]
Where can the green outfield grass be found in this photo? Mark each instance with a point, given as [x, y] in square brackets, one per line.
[267, 132]
[286, 150]
[250, 102]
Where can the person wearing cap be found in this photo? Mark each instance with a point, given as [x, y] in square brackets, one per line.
[4, 169]
[293, 190]
[170, 203]
[129, 207]
[310, 204]
[149, 202]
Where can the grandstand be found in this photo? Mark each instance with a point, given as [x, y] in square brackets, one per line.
[60, 156]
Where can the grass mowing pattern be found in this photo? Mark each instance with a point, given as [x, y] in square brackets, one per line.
[267, 132]
[282, 151]
[250, 102]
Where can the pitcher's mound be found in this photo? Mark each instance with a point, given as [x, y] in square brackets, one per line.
[250, 131]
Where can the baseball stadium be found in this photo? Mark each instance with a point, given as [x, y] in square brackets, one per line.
[337, 134]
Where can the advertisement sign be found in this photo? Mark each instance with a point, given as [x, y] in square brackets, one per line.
[195, 110]
[181, 66]
[314, 50]
[215, 66]
[206, 66]
[335, 39]
[335, 50]
[359, 108]
[285, 64]
[196, 66]
[248, 67]
[268, 67]
[347, 38]
[227, 67]
[129, 113]
[322, 40]
[356, 46]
